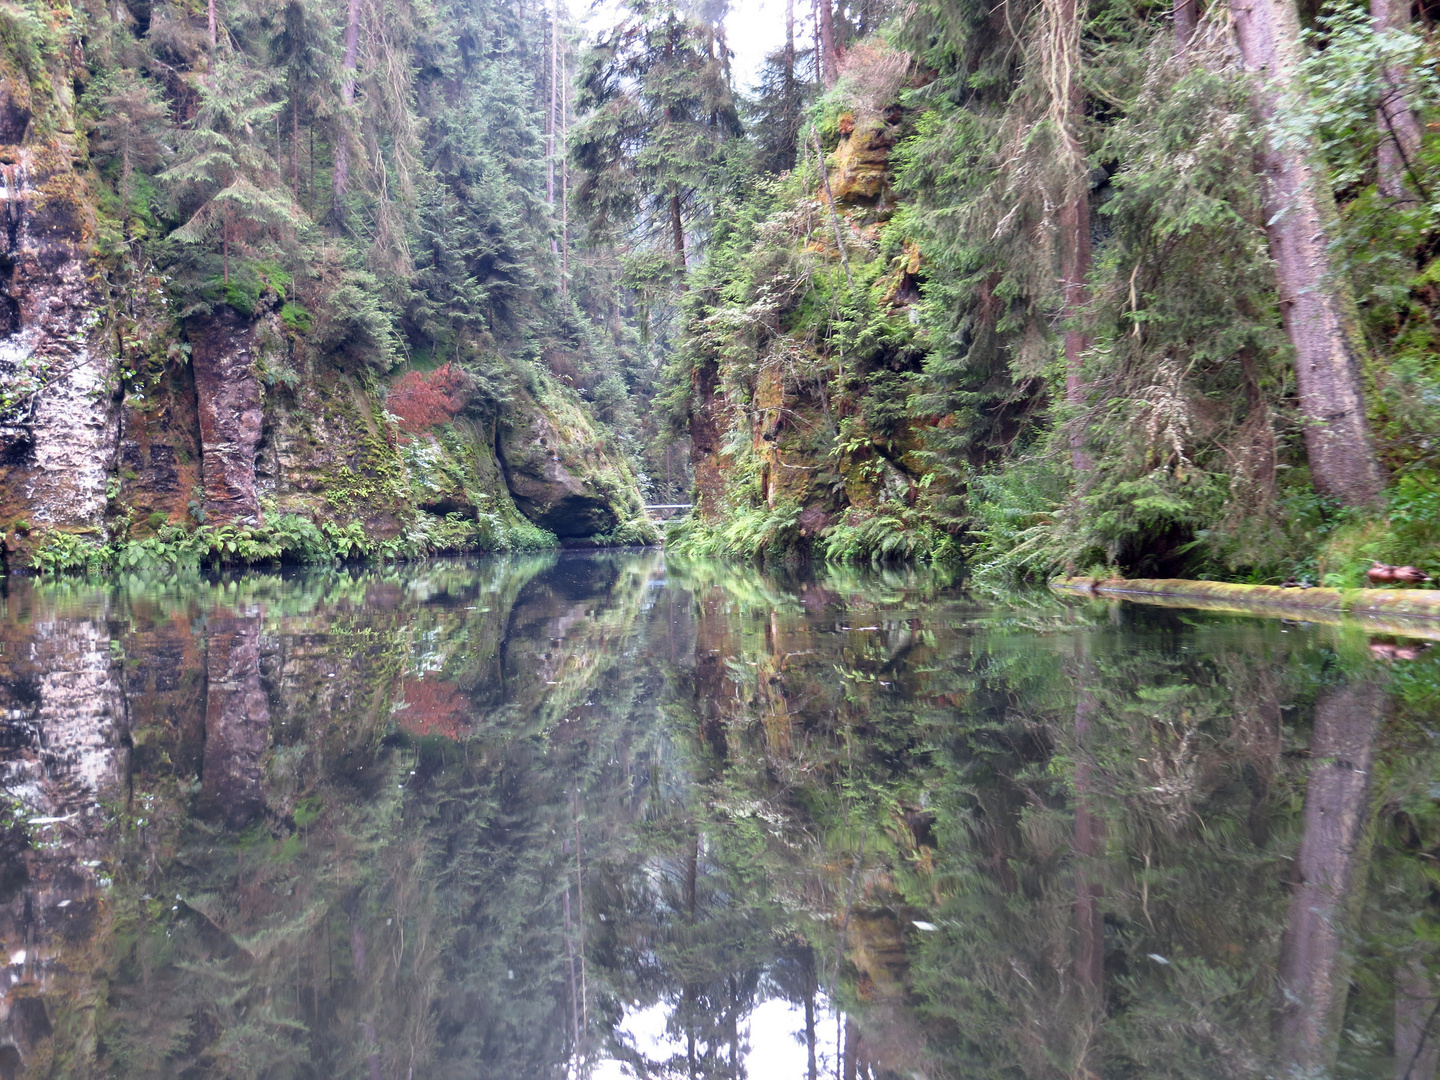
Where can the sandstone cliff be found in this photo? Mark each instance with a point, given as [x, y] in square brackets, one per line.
[124, 419]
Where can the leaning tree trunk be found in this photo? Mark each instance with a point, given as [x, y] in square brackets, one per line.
[1417, 1001]
[1329, 867]
[1399, 126]
[1314, 302]
[1187, 18]
[829, 55]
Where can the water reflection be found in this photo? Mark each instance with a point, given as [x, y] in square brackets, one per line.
[596, 815]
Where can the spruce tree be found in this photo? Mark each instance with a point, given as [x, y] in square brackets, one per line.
[658, 113]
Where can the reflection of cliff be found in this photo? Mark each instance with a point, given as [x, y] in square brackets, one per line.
[62, 759]
[237, 719]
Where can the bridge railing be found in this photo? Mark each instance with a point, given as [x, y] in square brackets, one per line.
[667, 511]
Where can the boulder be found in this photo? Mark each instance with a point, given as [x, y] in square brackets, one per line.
[549, 478]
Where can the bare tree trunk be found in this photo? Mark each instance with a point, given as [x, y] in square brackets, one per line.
[829, 57]
[210, 15]
[1075, 253]
[1187, 17]
[347, 93]
[1399, 126]
[789, 48]
[1312, 970]
[852, 1048]
[1317, 310]
[1417, 1043]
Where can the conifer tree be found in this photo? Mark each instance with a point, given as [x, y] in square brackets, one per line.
[224, 180]
[658, 112]
[129, 128]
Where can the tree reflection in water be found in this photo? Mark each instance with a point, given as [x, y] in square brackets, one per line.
[596, 815]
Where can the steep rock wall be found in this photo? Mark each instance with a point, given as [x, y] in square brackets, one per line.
[118, 421]
[58, 433]
[227, 396]
[820, 443]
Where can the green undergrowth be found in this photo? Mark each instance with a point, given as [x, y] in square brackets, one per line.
[288, 538]
[893, 534]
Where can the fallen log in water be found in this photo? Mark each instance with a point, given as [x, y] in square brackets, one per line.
[1415, 612]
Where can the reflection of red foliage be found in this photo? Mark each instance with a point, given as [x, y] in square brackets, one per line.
[423, 400]
[434, 708]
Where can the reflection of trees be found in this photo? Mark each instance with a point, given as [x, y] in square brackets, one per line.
[1026, 842]
[1311, 971]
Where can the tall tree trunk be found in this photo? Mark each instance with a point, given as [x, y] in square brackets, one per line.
[564, 184]
[210, 17]
[1417, 1043]
[677, 229]
[1314, 302]
[1075, 253]
[1187, 18]
[1399, 126]
[347, 94]
[811, 1069]
[295, 148]
[550, 112]
[829, 57]
[1312, 970]
[789, 83]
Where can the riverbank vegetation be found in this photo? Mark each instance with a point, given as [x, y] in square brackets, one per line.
[1103, 288]
[1083, 286]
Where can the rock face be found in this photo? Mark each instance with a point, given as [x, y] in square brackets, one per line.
[557, 473]
[228, 397]
[57, 440]
[116, 421]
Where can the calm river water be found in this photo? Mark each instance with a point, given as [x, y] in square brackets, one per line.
[604, 815]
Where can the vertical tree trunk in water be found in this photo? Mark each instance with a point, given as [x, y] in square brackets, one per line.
[1088, 845]
[1187, 17]
[1074, 220]
[347, 93]
[1318, 315]
[1399, 127]
[852, 1048]
[829, 58]
[1312, 970]
[811, 1070]
[1417, 1045]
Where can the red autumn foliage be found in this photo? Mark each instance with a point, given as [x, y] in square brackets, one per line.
[422, 400]
[434, 707]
